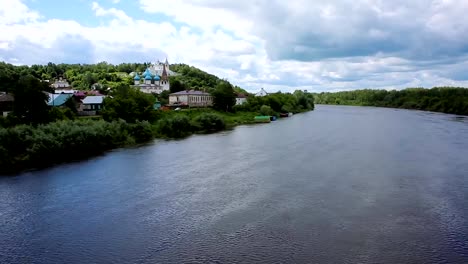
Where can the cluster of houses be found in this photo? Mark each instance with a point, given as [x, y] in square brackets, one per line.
[91, 102]
[154, 80]
[86, 103]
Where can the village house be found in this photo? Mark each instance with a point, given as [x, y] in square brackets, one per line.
[57, 100]
[91, 105]
[241, 99]
[191, 98]
[6, 103]
[62, 86]
[262, 92]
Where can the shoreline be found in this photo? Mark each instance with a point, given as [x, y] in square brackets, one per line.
[25, 162]
[397, 108]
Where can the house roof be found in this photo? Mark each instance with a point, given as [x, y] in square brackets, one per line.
[6, 98]
[94, 92]
[262, 93]
[80, 94]
[190, 92]
[94, 99]
[58, 99]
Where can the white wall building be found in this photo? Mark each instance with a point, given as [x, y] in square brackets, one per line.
[262, 92]
[191, 98]
[61, 84]
[241, 99]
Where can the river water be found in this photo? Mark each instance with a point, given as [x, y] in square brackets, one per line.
[336, 185]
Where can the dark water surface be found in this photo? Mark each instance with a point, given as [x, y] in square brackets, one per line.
[337, 185]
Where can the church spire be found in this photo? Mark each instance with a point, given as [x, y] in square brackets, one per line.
[164, 76]
[167, 63]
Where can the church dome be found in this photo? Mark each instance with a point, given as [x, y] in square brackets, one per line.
[157, 78]
[148, 77]
[147, 73]
[137, 77]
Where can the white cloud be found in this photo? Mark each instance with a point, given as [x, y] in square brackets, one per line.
[279, 45]
[13, 11]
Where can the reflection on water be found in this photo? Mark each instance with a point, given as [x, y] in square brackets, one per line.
[460, 118]
[337, 185]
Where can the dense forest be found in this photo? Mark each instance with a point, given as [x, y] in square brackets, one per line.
[452, 100]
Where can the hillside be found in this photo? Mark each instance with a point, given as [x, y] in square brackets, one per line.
[194, 78]
[83, 76]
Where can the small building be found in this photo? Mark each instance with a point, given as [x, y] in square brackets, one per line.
[65, 91]
[191, 98]
[91, 105]
[241, 99]
[61, 84]
[6, 104]
[262, 92]
[157, 105]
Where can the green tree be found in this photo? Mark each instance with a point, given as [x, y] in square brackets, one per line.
[129, 104]
[266, 111]
[224, 97]
[31, 100]
[176, 85]
[163, 97]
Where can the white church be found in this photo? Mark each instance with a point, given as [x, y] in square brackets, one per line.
[155, 79]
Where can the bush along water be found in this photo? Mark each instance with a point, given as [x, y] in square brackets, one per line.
[26, 146]
[208, 122]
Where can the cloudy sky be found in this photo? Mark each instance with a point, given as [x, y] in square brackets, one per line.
[319, 45]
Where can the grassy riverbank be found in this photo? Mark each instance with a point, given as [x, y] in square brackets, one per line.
[24, 147]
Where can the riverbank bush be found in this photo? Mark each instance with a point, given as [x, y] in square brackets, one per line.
[208, 122]
[174, 127]
[27, 146]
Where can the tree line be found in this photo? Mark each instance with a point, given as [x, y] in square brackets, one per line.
[452, 100]
[276, 103]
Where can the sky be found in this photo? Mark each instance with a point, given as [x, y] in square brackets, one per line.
[318, 45]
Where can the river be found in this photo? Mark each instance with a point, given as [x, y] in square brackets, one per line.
[340, 184]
